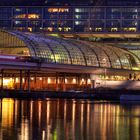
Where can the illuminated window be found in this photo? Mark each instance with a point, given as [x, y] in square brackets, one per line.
[29, 16]
[89, 81]
[18, 9]
[59, 29]
[77, 16]
[98, 29]
[17, 22]
[49, 80]
[30, 29]
[33, 16]
[77, 10]
[50, 29]
[74, 81]
[130, 29]
[77, 22]
[136, 10]
[66, 29]
[114, 29]
[90, 29]
[61, 10]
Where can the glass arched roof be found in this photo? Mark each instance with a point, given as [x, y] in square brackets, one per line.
[74, 52]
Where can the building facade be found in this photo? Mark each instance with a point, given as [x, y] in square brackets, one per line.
[68, 19]
[43, 62]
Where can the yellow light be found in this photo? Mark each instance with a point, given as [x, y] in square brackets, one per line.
[83, 80]
[49, 80]
[29, 16]
[33, 16]
[40, 78]
[98, 29]
[32, 78]
[55, 35]
[7, 112]
[17, 80]
[30, 29]
[50, 29]
[8, 82]
[66, 80]
[60, 29]
[114, 29]
[54, 10]
[89, 81]
[74, 81]
[23, 80]
[135, 68]
[133, 29]
[57, 57]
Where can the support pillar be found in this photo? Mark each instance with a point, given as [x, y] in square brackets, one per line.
[56, 82]
[2, 75]
[35, 88]
[86, 81]
[64, 83]
[20, 79]
[28, 77]
[78, 82]
[46, 82]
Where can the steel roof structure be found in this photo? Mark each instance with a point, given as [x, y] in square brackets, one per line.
[57, 50]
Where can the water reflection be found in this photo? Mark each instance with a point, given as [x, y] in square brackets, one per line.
[68, 120]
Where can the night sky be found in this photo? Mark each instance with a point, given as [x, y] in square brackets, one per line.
[69, 2]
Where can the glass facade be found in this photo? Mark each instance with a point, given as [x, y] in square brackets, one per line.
[71, 19]
[70, 51]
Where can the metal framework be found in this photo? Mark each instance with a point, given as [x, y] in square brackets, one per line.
[69, 51]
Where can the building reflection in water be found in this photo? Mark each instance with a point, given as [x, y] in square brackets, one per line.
[68, 119]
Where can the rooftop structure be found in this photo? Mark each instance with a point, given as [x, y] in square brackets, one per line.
[66, 51]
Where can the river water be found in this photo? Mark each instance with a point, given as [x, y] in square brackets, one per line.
[68, 120]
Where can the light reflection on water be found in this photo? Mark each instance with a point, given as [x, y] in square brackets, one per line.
[68, 120]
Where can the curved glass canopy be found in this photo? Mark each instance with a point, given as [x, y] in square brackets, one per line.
[72, 52]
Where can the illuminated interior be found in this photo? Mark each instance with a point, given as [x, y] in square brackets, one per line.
[28, 16]
[58, 50]
[53, 10]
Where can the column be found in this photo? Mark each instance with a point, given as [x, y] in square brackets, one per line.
[28, 77]
[56, 82]
[35, 88]
[2, 73]
[20, 79]
[64, 84]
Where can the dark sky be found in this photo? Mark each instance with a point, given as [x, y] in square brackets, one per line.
[78, 2]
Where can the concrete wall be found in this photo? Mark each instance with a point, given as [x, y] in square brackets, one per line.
[117, 84]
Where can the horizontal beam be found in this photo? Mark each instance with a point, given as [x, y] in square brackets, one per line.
[62, 68]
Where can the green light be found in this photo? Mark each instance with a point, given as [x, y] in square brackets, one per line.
[55, 35]
[54, 135]
[135, 68]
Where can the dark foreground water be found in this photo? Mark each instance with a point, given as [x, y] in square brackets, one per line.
[68, 120]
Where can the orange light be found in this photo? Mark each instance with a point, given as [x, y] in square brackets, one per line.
[49, 80]
[74, 81]
[88, 81]
[66, 80]
[54, 10]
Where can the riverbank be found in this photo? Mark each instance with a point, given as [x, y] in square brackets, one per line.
[97, 94]
[45, 94]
